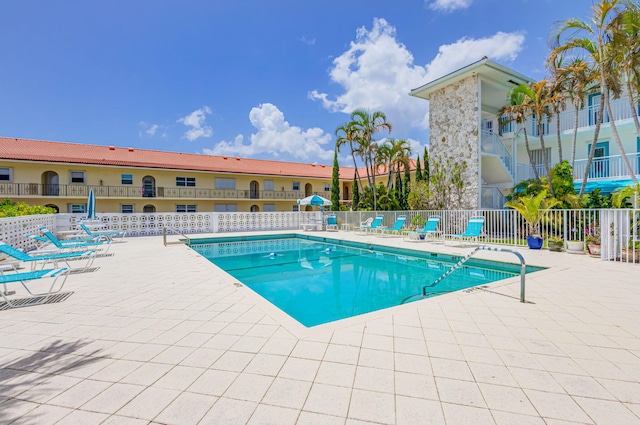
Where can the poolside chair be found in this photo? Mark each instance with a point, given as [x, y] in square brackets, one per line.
[430, 229]
[471, 233]
[108, 234]
[22, 277]
[49, 257]
[74, 243]
[332, 223]
[393, 230]
[375, 223]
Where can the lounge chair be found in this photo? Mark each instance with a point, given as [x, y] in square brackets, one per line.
[22, 277]
[430, 229]
[471, 233]
[108, 234]
[332, 223]
[48, 257]
[75, 243]
[364, 228]
[393, 230]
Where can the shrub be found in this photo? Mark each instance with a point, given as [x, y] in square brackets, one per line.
[17, 209]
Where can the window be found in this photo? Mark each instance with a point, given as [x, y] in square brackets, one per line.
[295, 208]
[126, 208]
[327, 187]
[225, 208]
[186, 208]
[269, 207]
[225, 183]
[77, 208]
[295, 186]
[5, 174]
[268, 185]
[186, 181]
[77, 177]
[127, 179]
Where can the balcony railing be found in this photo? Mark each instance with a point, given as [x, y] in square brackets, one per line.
[82, 191]
[490, 143]
[587, 117]
[607, 167]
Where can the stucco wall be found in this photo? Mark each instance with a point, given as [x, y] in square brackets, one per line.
[453, 124]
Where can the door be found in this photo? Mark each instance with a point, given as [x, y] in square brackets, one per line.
[254, 190]
[149, 187]
[600, 165]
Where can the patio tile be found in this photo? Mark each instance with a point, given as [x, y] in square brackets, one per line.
[328, 400]
[249, 387]
[416, 411]
[453, 369]
[233, 361]
[310, 418]
[249, 344]
[492, 374]
[265, 364]
[343, 337]
[627, 392]
[372, 406]
[279, 346]
[342, 354]
[459, 392]
[49, 387]
[508, 399]
[576, 385]
[113, 398]
[377, 342]
[147, 374]
[336, 374]
[309, 350]
[116, 371]
[187, 408]
[179, 378]
[213, 382]
[607, 411]
[14, 409]
[43, 414]
[173, 355]
[83, 417]
[301, 369]
[557, 406]
[536, 380]
[149, 403]
[145, 352]
[229, 411]
[409, 346]
[287, 393]
[508, 418]
[202, 357]
[445, 350]
[273, 415]
[376, 358]
[460, 414]
[79, 394]
[412, 363]
[368, 378]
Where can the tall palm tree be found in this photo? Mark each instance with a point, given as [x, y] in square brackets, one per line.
[597, 42]
[366, 125]
[516, 111]
[558, 85]
[395, 154]
[347, 137]
[628, 39]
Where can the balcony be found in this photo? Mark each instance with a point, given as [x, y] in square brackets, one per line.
[607, 167]
[132, 192]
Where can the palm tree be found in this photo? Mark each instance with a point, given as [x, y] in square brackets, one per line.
[598, 42]
[348, 138]
[516, 111]
[395, 154]
[557, 85]
[628, 38]
[365, 125]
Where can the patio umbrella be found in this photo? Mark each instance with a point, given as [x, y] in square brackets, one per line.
[314, 200]
[91, 206]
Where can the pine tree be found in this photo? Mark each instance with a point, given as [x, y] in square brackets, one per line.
[335, 184]
[418, 170]
[406, 186]
[399, 190]
[427, 172]
[355, 197]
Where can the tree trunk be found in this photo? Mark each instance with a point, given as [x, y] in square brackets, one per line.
[531, 160]
[575, 135]
[558, 134]
[596, 133]
[633, 105]
[544, 156]
[616, 137]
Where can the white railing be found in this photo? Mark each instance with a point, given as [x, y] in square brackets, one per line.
[491, 198]
[607, 167]
[618, 229]
[525, 171]
[490, 143]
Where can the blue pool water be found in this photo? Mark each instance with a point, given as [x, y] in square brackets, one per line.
[317, 281]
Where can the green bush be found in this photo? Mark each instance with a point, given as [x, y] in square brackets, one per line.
[9, 208]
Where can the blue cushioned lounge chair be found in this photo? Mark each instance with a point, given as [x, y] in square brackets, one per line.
[108, 234]
[74, 243]
[46, 258]
[393, 230]
[364, 228]
[22, 277]
[471, 233]
[430, 229]
[332, 222]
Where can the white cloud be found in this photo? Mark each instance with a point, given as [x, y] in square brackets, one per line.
[147, 130]
[277, 137]
[152, 130]
[377, 72]
[197, 121]
[309, 41]
[449, 5]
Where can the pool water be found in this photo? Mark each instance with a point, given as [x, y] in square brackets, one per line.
[317, 282]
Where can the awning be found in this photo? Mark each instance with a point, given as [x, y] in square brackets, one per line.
[606, 186]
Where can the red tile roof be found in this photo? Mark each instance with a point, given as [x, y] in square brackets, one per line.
[45, 151]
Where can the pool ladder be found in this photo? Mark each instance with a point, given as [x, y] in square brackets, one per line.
[176, 231]
[523, 271]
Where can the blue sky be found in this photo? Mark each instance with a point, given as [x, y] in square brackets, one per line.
[261, 79]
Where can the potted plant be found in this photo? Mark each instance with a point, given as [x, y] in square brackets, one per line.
[555, 243]
[575, 246]
[418, 222]
[593, 243]
[533, 209]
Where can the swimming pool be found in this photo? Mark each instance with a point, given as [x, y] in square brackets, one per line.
[318, 280]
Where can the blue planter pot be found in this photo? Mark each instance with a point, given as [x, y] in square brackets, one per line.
[534, 242]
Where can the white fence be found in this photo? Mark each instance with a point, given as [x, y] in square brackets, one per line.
[617, 229]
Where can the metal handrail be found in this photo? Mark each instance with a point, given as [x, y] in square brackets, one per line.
[523, 271]
[164, 236]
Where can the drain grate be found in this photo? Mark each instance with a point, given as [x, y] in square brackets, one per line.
[23, 302]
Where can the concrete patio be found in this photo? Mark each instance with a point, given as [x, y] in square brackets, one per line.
[160, 335]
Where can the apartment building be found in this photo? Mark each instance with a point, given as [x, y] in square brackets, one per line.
[129, 180]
